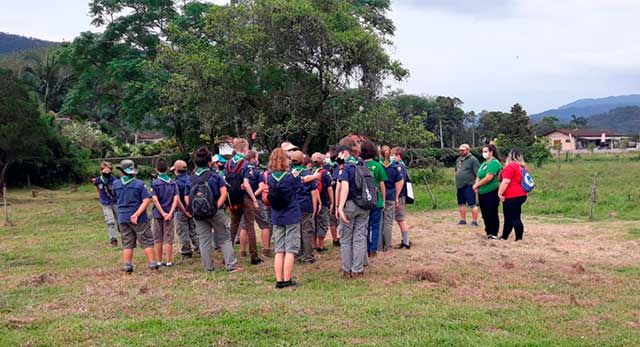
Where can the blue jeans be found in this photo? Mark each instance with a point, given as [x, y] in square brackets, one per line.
[373, 233]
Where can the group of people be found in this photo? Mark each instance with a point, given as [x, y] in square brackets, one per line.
[493, 184]
[356, 191]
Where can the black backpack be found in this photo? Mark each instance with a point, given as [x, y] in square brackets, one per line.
[278, 199]
[366, 189]
[201, 199]
[234, 182]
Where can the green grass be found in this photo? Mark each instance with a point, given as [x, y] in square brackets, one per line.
[563, 192]
[62, 285]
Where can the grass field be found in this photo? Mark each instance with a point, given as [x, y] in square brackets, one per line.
[570, 283]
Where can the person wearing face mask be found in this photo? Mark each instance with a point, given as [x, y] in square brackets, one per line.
[486, 186]
[108, 201]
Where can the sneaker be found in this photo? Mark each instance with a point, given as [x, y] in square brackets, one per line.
[169, 264]
[256, 261]
[161, 264]
[290, 283]
[279, 285]
[307, 261]
[128, 268]
[404, 245]
[322, 250]
[114, 242]
[235, 269]
[462, 222]
[492, 237]
[336, 243]
[154, 266]
[474, 224]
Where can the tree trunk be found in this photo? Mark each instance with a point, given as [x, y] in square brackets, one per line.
[4, 167]
[307, 142]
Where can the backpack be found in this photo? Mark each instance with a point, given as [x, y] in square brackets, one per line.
[527, 180]
[234, 181]
[201, 200]
[278, 199]
[365, 189]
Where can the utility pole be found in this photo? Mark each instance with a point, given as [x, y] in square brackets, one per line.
[441, 138]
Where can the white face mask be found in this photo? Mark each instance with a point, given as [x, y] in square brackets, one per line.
[485, 155]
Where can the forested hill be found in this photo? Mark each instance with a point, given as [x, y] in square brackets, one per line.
[625, 120]
[589, 107]
[10, 43]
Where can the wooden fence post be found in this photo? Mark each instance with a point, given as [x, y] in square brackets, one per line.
[434, 204]
[594, 197]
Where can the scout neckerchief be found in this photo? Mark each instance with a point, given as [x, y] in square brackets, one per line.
[108, 190]
[316, 169]
[236, 158]
[351, 160]
[126, 179]
[278, 175]
[201, 170]
[459, 166]
[164, 178]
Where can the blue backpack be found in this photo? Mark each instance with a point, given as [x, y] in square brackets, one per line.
[527, 180]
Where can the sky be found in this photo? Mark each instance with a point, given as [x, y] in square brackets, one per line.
[489, 53]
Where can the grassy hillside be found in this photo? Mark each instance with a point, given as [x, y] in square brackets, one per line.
[589, 107]
[625, 120]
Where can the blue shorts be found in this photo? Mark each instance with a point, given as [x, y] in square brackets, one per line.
[467, 196]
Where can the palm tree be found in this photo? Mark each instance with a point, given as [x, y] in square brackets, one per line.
[48, 77]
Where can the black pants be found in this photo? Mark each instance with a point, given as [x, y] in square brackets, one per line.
[512, 212]
[489, 203]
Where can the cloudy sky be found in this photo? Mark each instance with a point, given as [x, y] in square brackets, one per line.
[489, 53]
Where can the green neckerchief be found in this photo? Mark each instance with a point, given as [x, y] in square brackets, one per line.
[316, 169]
[164, 177]
[201, 170]
[278, 175]
[299, 168]
[126, 179]
[236, 158]
[331, 162]
[385, 165]
[401, 162]
[351, 160]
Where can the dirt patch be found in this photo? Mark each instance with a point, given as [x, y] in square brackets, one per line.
[43, 279]
[427, 275]
[21, 322]
[578, 268]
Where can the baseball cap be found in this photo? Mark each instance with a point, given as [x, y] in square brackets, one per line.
[464, 146]
[179, 165]
[128, 166]
[218, 159]
[288, 146]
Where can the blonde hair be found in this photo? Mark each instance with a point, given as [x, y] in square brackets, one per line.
[240, 145]
[515, 156]
[279, 160]
[385, 151]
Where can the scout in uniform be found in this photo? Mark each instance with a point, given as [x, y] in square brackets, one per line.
[166, 197]
[325, 190]
[185, 226]
[308, 200]
[393, 187]
[108, 202]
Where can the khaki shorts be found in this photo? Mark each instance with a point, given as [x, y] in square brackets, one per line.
[263, 217]
[163, 231]
[287, 238]
[401, 210]
[140, 232]
[322, 222]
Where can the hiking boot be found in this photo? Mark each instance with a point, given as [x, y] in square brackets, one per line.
[267, 253]
[290, 283]
[474, 224]
[336, 243]
[462, 222]
[114, 242]
[128, 268]
[256, 261]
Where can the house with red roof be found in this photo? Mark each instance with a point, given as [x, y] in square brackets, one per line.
[571, 140]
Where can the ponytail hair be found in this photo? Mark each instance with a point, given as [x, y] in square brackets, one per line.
[386, 154]
[494, 150]
[515, 156]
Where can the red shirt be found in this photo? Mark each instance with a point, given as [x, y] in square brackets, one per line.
[514, 173]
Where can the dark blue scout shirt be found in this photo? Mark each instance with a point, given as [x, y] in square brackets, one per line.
[326, 184]
[394, 175]
[304, 192]
[405, 177]
[289, 185]
[184, 187]
[165, 191]
[130, 198]
[348, 173]
[105, 189]
[255, 178]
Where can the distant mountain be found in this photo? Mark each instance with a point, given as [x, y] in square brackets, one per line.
[10, 43]
[625, 120]
[588, 107]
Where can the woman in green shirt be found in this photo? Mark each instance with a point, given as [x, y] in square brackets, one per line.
[487, 188]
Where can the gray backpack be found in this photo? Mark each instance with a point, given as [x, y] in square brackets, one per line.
[366, 189]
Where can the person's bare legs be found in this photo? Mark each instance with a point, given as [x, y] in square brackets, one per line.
[127, 255]
[243, 241]
[266, 238]
[289, 260]
[319, 242]
[169, 252]
[474, 213]
[334, 232]
[158, 249]
[463, 212]
[278, 266]
[148, 252]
